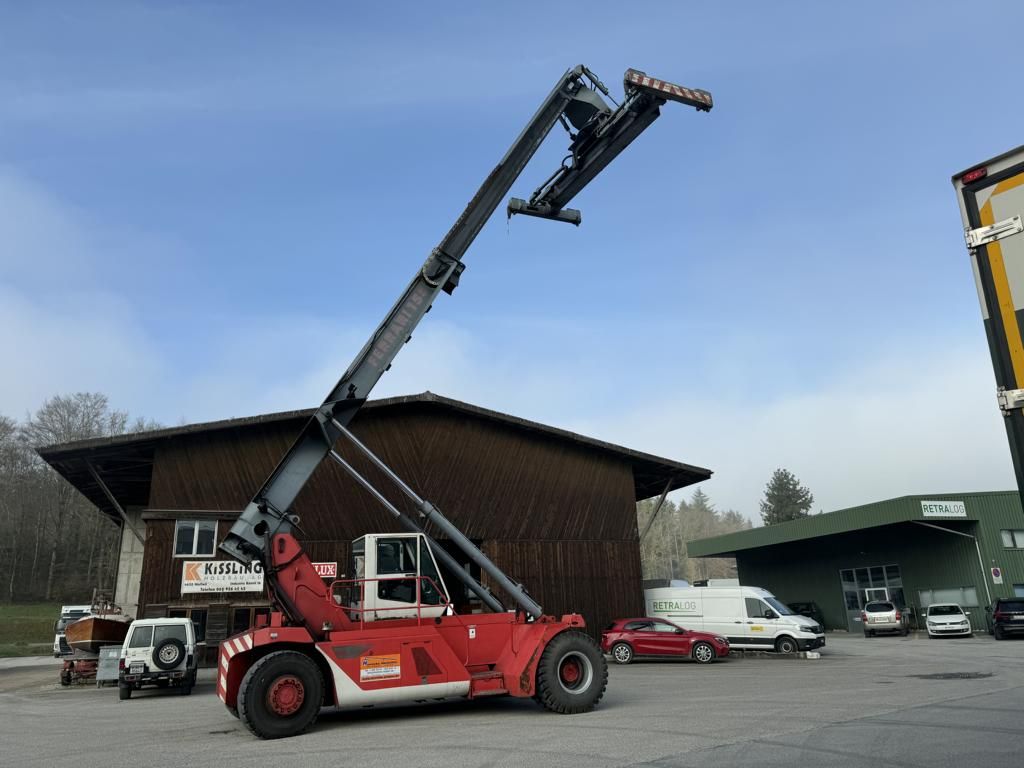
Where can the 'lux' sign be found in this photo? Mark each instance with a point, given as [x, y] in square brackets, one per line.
[326, 570]
[943, 509]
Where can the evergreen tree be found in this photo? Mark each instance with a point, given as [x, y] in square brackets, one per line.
[784, 498]
[663, 550]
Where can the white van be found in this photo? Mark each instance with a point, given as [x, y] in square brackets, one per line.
[749, 617]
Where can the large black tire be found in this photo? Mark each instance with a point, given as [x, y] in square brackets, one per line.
[997, 633]
[281, 695]
[703, 653]
[124, 692]
[622, 653]
[572, 674]
[786, 644]
[169, 654]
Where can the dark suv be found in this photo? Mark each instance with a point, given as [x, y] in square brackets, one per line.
[1005, 617]
[810, 610]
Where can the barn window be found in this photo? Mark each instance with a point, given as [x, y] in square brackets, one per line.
[195, 538]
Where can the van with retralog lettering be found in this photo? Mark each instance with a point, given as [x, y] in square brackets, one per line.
[749, 617]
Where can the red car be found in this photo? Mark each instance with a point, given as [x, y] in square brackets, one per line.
[626, 639]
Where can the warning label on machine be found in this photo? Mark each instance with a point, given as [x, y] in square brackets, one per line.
[386, 667]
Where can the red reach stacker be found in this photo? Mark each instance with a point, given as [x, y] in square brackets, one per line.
[389, 634]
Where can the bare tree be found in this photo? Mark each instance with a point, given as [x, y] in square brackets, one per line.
[64, 521]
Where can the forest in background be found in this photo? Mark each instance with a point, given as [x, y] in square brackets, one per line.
[56, 545]
[663, 550]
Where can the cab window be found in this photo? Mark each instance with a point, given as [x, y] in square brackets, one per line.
[396, 556]
[430, 586]
[755, 608]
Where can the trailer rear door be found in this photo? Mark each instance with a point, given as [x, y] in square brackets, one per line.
[991, 197]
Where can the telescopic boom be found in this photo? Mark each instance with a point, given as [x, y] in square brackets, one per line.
[598, 134]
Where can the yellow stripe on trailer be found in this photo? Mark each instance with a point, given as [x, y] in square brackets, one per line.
[1002, 284]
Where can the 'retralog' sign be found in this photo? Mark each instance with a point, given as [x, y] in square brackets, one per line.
[199, 576]
[943, 509]
[672, 607]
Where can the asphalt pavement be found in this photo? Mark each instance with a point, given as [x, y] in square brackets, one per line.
[879, 702]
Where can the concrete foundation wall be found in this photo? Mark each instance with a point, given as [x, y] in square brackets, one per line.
[129, 564]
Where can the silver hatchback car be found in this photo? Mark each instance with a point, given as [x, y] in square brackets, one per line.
[884, 616]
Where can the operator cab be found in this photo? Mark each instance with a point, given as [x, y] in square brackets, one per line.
[396, 577]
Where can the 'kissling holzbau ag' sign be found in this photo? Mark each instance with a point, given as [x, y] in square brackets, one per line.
[943, 509]
[220, 576]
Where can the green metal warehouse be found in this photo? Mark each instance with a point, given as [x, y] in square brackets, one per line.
[914, 550]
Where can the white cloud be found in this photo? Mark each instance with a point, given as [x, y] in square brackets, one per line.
[84, 342]
[925, 422]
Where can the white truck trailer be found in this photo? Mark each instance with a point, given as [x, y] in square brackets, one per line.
[991, 198]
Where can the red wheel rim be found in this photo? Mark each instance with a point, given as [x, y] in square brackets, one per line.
[286, 695]
[570, 672]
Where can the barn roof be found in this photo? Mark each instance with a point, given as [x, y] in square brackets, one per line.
[124, 463]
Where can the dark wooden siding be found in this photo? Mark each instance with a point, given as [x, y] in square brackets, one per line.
[599, 579]
[559, 516]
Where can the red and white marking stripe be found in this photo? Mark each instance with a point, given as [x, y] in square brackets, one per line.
[676, 90]
[228, 649]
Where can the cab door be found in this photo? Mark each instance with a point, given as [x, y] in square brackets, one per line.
[402, 579]
[759, 626]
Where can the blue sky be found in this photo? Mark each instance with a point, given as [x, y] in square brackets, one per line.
[205, 208]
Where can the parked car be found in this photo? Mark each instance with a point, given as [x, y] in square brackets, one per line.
[810, 610]
[160, 652]
[69, 614]
[884, 616]
[947, 619]
[1005, 617]
[627, 639]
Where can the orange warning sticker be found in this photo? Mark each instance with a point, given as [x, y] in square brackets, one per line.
[387, 667]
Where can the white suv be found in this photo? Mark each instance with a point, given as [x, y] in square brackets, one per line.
[160, 652]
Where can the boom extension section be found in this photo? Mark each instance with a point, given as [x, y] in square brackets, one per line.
[601, 134]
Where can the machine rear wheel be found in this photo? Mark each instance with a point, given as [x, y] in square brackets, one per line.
[572, 674]
[281, 695]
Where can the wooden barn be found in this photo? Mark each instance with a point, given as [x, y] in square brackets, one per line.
[555, 510]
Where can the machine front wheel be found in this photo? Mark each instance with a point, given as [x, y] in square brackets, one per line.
[281, 695]
[572, 674]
